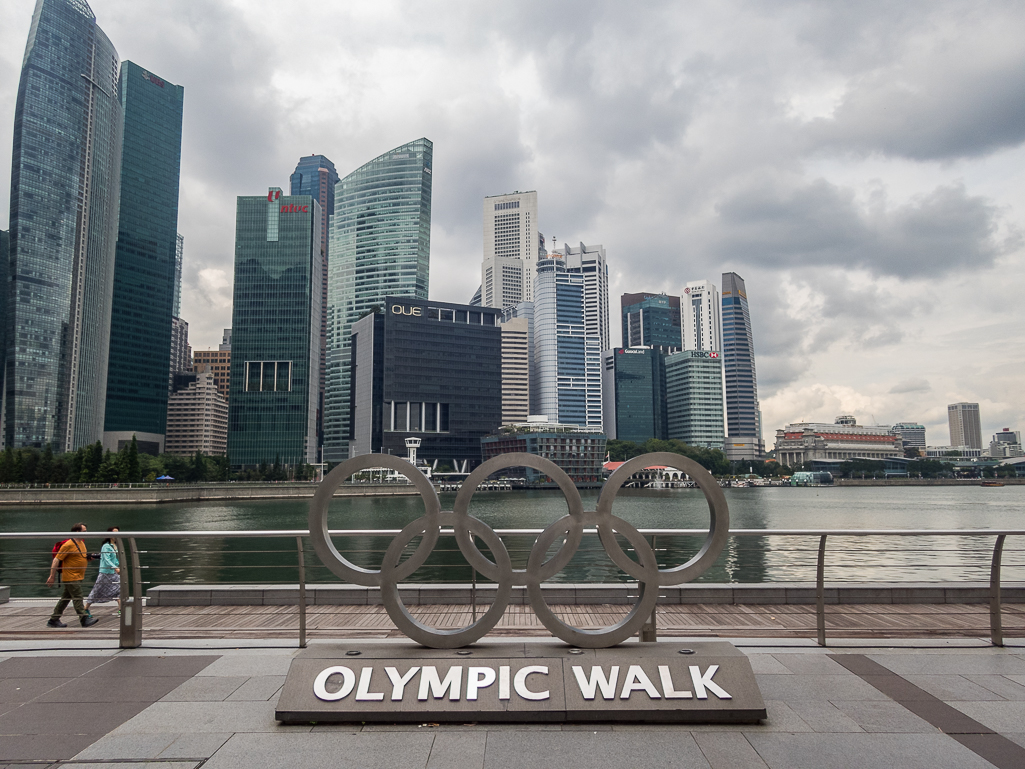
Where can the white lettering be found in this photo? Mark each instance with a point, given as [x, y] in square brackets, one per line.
[451, 683]
[668, 690]
[702, 682]
[503, 683]
[363, 693]
[596, 681]
[520, 682]
[478, 678]
[398, 683]
[320, 683]
[636, 681]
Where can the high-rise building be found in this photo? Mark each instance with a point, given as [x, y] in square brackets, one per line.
[510, 249]
[694, 398]
[147, 270]
[65, 180]
[516, 348]
[380, 245]
[911, 433]
[427, 370]
[965, 426]
[634, 394]
[743, 415]
[316, 176]
[651, 320]
[700, 311]
[197, 419]
[5, 256]
[225, 340]
[217, 363]
[275, 346]
[1006, 444]
[181, 352]
[179, 260]
[589, 262]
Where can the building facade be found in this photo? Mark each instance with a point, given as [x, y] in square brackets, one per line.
[634, 393]
[965, 425]
[803, 442]
[743, 413]
[218, 363]
[1006, 444]
[580, 452]
[197, 419]
[694, 398]
[510, 249]
[700, 310]
[911, 434]
[275, 355]
[147, 270]
[516, 347]
[651, 320]
[181, 351]
[65, 180]
[427, 370]
[380, 245]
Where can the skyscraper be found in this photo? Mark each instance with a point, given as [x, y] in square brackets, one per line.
[700, 311]
[743, 417]
[589, 262]
[380, 246]
[694, 398]
[275, 346]
[510, 249]
[147, 268]
[634, 393]
[65, 180]
[651, 320]
[316, 176]
[965, 426]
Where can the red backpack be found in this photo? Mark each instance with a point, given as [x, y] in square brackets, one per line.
[56, 549]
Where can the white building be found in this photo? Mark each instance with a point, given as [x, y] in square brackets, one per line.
[511, 241]
[197, 419]
[1006, 444]
[803, 442]
[965, 427]
[701, 309]
[589, 262]
[516, 347]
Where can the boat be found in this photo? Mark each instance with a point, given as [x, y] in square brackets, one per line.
[992, 483]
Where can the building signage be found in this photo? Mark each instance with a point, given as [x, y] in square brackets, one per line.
[292, 208]
[273, 195]
[398, 309]
[712, 683]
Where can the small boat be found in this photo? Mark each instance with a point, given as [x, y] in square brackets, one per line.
[991, 483]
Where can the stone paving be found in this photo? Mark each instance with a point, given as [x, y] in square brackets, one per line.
[930, 704]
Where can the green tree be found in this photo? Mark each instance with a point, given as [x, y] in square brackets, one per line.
[91, 461]
[132, 470]
[44, 468]
[109, 470]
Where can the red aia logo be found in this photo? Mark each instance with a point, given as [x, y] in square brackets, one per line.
[273, 195]
[292, 208]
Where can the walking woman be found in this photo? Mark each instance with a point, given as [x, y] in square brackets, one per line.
[108, 583]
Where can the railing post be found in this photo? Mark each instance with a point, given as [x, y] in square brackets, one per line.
[649, 630]
[302, 592]
[131, 606]
[995, 619]
[820, 592]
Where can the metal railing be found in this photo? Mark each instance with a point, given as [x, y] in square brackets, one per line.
[131, 626]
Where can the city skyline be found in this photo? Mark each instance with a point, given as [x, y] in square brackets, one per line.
[799, 206]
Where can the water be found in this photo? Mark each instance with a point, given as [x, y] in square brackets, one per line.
[24, 565]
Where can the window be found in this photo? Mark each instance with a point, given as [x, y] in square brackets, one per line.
[268, 376]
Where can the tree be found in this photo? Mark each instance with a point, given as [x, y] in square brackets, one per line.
[132, 468]
[197, 473]
[44, 469]
[109, 470]
[91, 461]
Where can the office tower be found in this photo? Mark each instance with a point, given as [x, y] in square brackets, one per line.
[427, 370]
[197, 419]
[181, 353]
[634, 393]
[65, 180]
[743, 418]
[218, 364]
[5, 256]
[1006, 444]
[694, 398]
[525, 311]
[475, 300]
[275, 346]
[380, 246]
[510, 249]
[589, 262]
[965, 427]
[700, 311]
[911, 433]
[179, 259]
[225, 340]
[316, 176]
[147, 267]
[651, 320]
[516, 348]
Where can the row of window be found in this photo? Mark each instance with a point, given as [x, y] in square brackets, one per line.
[268, 376]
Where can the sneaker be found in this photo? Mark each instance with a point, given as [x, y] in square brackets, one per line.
[118, 613]
[56, 623]
[89, 620]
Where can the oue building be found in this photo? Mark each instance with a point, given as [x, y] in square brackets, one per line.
[427, 370]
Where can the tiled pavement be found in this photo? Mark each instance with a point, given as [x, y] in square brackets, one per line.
[901, 707]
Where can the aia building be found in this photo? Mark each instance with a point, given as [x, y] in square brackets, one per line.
[275, 345]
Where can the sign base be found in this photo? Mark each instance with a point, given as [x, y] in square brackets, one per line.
[541, 681]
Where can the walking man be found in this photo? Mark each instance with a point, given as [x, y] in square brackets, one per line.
[72, 559]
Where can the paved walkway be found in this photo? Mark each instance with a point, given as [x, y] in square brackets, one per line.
[955, 704]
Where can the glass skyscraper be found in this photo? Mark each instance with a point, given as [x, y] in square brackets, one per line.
[275, 344]
[634, 393]
[693, 393]
[651, 320]
[380, 245]
[146, 270]
[65, 180]
[738, 353]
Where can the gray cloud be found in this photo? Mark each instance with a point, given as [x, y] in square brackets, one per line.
[916, 385]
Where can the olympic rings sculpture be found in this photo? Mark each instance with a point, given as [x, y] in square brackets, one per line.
[500, 571]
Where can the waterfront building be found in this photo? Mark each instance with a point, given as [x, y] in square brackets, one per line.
[965, 426]
[1006, 444]
[65, 180]
[510, 249]
[634, 393]
[197, 419]
[651, 320]
[694, 398]
[275, 353]
[804, 442]
[380, 245]
[426, 370]
[911, 434]
[218, 363]
[743, 414]
[701, 316]
[516, 346]
[579, 451]
[147, 267]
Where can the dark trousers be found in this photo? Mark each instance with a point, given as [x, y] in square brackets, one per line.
[72, 594]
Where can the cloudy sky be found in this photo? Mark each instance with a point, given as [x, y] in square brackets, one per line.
[861, 165]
